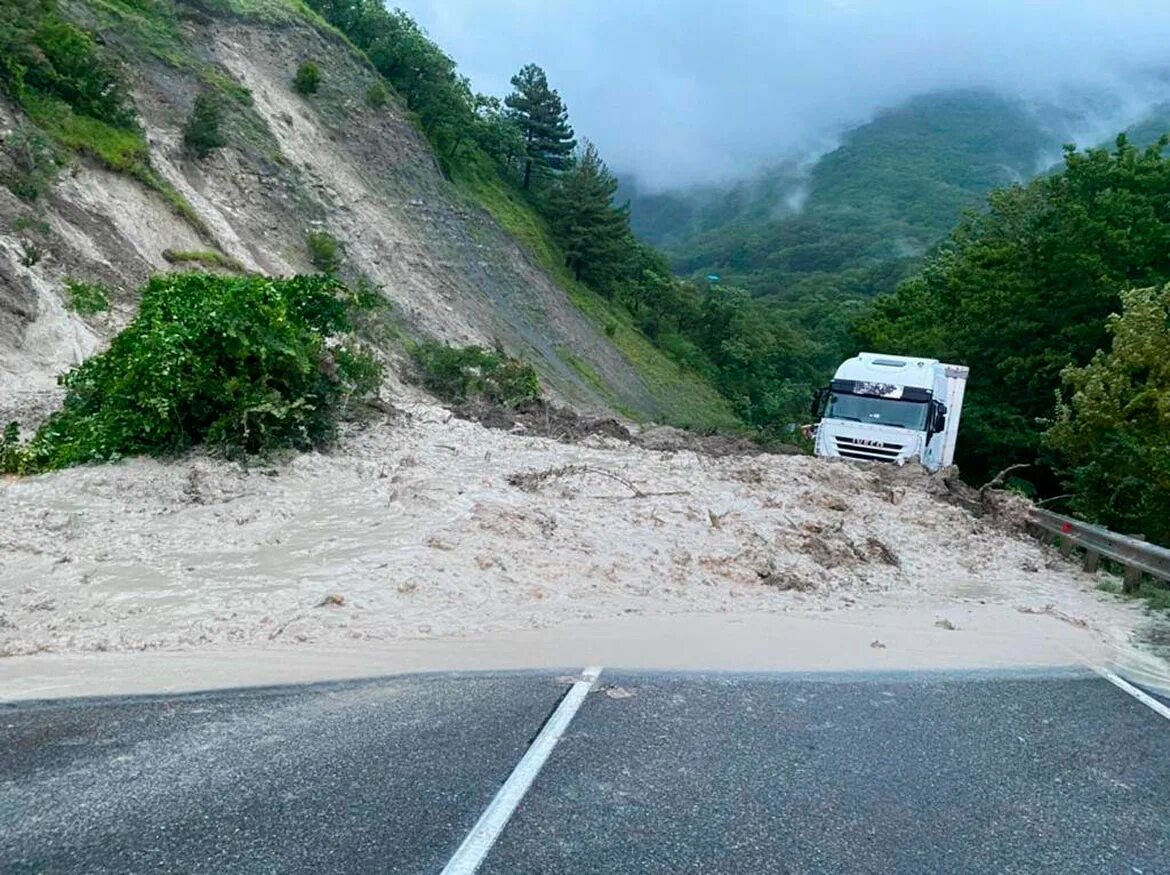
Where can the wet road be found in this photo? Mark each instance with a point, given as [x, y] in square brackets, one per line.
[898, 772]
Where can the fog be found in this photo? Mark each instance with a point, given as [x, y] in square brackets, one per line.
[687, 91]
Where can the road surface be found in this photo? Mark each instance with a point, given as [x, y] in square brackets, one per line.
[1055, 770]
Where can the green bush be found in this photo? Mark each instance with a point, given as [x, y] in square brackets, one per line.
[86, 298]
[35, 162]
[308, 79]
[324, 251]
[11, 452]
[31, 253]
[202, 134]
[472, 373]
[43, 54]
[377, 95]
[241, 364]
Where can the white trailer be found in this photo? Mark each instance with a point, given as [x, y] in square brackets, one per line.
[889, 408]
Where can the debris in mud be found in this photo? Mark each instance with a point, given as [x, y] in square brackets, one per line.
[946, 624]
[539, 418]
[783, 579]
[531, 481]
[877, 645]
[875, 548]
[333, 600]
[1052, 611]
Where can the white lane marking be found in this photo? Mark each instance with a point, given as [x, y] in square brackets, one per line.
[495, 817]
[1142, 697]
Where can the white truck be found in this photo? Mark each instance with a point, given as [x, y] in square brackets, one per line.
[891, 408]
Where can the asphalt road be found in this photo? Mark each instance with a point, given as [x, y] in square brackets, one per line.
[909, 772]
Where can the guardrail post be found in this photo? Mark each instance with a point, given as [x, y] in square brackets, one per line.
[1133, 579]
[1092, 558]
[1066, 546]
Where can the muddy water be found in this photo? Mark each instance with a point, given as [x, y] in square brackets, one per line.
[412, 533]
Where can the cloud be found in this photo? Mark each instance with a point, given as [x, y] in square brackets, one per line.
[682, 91]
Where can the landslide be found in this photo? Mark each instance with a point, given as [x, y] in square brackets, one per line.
[292, 165]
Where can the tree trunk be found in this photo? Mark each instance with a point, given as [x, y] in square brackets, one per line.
[527, 173]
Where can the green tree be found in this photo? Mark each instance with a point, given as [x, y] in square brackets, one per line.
[202, 133]
[1023, 291]
[593, 233]
[422, 73]
[497, 133]
[543, 119]
[1112, 427]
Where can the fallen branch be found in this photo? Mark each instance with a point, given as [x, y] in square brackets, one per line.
[531, 480]
[999, 479]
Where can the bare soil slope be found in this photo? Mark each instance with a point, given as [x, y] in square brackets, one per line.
[293, 164]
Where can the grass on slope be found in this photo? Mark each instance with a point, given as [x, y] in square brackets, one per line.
[686, 399]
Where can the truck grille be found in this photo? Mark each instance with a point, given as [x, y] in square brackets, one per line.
[873, 451]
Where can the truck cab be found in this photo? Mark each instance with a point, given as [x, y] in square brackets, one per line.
[888, 408]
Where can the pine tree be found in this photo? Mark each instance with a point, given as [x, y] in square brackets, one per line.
[542, 117]
[594, 234]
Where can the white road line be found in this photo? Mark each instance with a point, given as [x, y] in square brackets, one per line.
[495, 817]
[1142, 697]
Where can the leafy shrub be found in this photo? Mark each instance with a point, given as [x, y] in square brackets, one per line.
[377, 95]
[35, 163]
[308, 79]
[86, 298]
[611, 328]
[205, 258]
[467, 373]
[324, 251]
[202, 134]
[242, 364]
[42, 53]
[11, 453]
[30, 253]
[33, 224]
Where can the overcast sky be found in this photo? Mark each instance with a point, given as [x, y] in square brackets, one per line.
[682, 91]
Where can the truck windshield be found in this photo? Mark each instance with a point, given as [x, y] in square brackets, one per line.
[878, 411]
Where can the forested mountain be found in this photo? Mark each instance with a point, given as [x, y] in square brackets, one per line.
[891, 189]
[857, 219]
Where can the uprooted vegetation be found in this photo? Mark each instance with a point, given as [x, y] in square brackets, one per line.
[243, 365]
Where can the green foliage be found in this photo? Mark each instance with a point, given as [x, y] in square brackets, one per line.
[245, 365]
[43, 54]
[204, 258]
[34, 160]
[472, 373]
[417, 68]
[1022, 292]
[325, 251]
[543, 121]
[1112, 427]
[307, 80]
[203, 133]
[497, 133]
[31, 253]
[86, 298]
[377, 95]
[593, 234]
[11, 450]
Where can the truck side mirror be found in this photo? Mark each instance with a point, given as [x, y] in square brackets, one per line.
[940, 419]
[818, 401]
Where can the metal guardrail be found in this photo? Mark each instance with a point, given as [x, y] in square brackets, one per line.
[1137, 556]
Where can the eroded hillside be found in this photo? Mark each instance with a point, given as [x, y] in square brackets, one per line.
[293, 164]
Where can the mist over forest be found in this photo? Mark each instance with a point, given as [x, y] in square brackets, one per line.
[691, 92]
